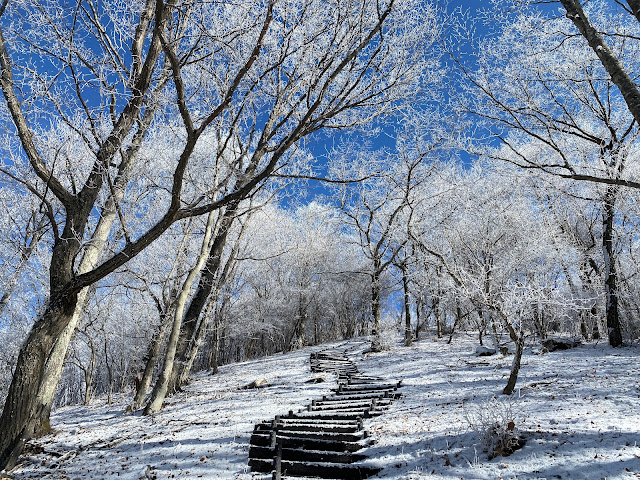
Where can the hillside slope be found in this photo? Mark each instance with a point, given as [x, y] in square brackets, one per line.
[578, 410]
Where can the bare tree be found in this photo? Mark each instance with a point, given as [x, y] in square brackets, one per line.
[547, 100]
[265, 74]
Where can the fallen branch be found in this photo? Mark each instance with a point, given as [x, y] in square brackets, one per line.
[540, 384]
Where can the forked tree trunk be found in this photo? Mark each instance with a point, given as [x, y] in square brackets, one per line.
[23, 406]
[161, 387]
[92, 252]
[203, 291]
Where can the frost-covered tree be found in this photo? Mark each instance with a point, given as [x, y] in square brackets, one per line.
[79, 82]
[552, 107]
[304, 286]
[496, 253]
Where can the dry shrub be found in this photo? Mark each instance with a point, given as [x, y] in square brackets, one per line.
[496, 425]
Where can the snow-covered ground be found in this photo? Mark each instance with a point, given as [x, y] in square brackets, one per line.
[579, 411]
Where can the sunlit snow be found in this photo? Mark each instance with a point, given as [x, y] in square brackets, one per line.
[579, 411]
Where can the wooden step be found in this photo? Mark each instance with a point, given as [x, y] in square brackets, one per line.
[358, 380]
[330, 415]
[341, 405]
[316, 469]
[321, 440]
[264, 440]
[344, 396]
[368, 386]
[341, 401]
[308, 427]
[331, 436]
[291, 420]
[329, 356]
[307, 455]
[342, 372]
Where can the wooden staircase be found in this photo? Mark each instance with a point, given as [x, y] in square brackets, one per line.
[323, 440]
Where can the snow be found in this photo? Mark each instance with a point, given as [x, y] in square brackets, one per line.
[578, 409]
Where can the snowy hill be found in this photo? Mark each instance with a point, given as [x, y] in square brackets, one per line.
[578, 411]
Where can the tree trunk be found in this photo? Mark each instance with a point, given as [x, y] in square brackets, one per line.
[456, 322]
[438, 313]
[610, 271]
[161, 387]
[481, 327]
[151, 359]
[375, 310]
[408, 333]
[197, 341]
[418, 312]
[92, 252]
[515, 366]
[215, 346]
[297, 340]
[375, 303]
[109, 371]
[89, 373]
[199, 300]
[20, 414]
[54, 367]
[23, 407]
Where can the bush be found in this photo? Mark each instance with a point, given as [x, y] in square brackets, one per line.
[495, 424]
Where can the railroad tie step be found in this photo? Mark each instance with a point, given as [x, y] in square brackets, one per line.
[265, 440]
[316, 469]
[315, 435]
[309, 427]
[321, 440]
[301, 455]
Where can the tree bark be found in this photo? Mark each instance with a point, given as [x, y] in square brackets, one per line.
[419, 307]
[610, 271]
[375, 301]
[612, 65]
[214, 356]
[197, 342]
[438, 313]
[88, 377]
[151, 360]
[515, 366]
[408, 332]
[161, 387]
[93, 250]
[375, 309]
[198, 302]
[19, 416]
